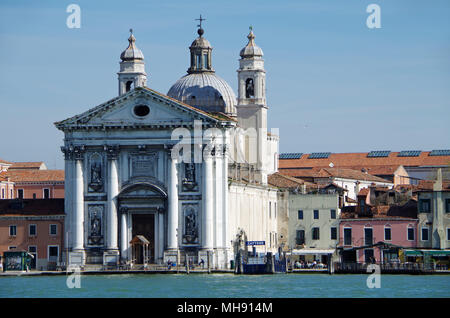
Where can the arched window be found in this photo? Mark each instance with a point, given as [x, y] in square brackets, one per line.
[249, 88]
[128, 86]
[199, 61]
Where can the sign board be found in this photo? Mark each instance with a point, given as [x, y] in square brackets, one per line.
[251, 243]
[76, 258]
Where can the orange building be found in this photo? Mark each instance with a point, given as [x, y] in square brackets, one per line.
[30, 180]
[36, 226]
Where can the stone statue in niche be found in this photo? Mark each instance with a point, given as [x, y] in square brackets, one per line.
[96, 183]
[249, 88]
[95, 222]
[189, 182]
[190, 225]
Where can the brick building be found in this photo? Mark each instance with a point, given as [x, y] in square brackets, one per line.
[36, 226]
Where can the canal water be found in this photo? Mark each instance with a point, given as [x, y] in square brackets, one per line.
[225, 286]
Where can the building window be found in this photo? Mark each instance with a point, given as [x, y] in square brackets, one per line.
[3, 193]
[53, 228]
[387, 234]
[316, 214]
[270, 210]
[369, 255]
[32, 230]
[448, 234]
[12, 247]
[46, 193]
[424, 234]
[410, 234]
[34, 195]
[333, 214]
[334, 233]
[20, 193]
[347, 236]
[275, 209]
[199, 61]
[53, 253]
[315, 233]
[32, 249]
[368, 236]
[300, 237]
[447, 205]
[11, 192]
[300, 214]
[12, 230]
[424, 205]
[205, 60]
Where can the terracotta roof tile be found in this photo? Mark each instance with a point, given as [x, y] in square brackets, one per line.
[349, 174]
[282, 181]
[28, 165]
[361, 160]
[427, 185]
[24, 175]
[4, 161]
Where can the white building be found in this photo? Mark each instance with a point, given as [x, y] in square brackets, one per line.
[173, 169]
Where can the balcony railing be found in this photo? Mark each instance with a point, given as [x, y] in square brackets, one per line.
[388, 267]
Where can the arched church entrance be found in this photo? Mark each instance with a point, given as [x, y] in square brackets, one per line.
[143, 203]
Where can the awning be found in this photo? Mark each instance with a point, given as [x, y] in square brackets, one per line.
[427, 252]
[139, 239]
[311, 252]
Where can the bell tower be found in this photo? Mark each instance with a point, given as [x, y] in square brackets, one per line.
[252, 108]
[132, 67]
[251, 74]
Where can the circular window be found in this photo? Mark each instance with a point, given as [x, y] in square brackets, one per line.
[141, 110]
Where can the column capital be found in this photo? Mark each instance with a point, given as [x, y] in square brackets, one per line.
[68, 153]
[209, 151]
[123, 209]
[112, 151]
[77, 151]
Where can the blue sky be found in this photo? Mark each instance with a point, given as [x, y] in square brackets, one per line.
[333, 84]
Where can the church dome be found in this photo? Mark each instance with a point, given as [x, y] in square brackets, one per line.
[131, 52]
[206, 91]
[201, 42]
[251, 49]
[201, 87]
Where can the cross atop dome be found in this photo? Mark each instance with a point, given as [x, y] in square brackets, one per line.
[200, 31]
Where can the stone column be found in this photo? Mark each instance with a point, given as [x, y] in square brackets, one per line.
[161, 233]
[68, 207]
[124, 241]
[78, 196]
[207, 195]
[218, 186]
[226, 240]
[113, 191]
[172, 219]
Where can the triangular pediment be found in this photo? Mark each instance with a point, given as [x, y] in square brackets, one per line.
[141, 107]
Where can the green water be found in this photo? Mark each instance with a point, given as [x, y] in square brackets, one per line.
[226, 285]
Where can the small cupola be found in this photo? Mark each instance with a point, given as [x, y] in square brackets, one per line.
[200, 53]
[251, 49]
[132, 67]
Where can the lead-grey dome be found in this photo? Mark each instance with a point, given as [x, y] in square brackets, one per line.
[206, 91]
[251, 49]
[131, 52]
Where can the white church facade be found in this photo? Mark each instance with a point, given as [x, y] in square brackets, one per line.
[182, 174]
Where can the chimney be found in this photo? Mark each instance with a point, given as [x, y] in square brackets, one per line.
[437, 186]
